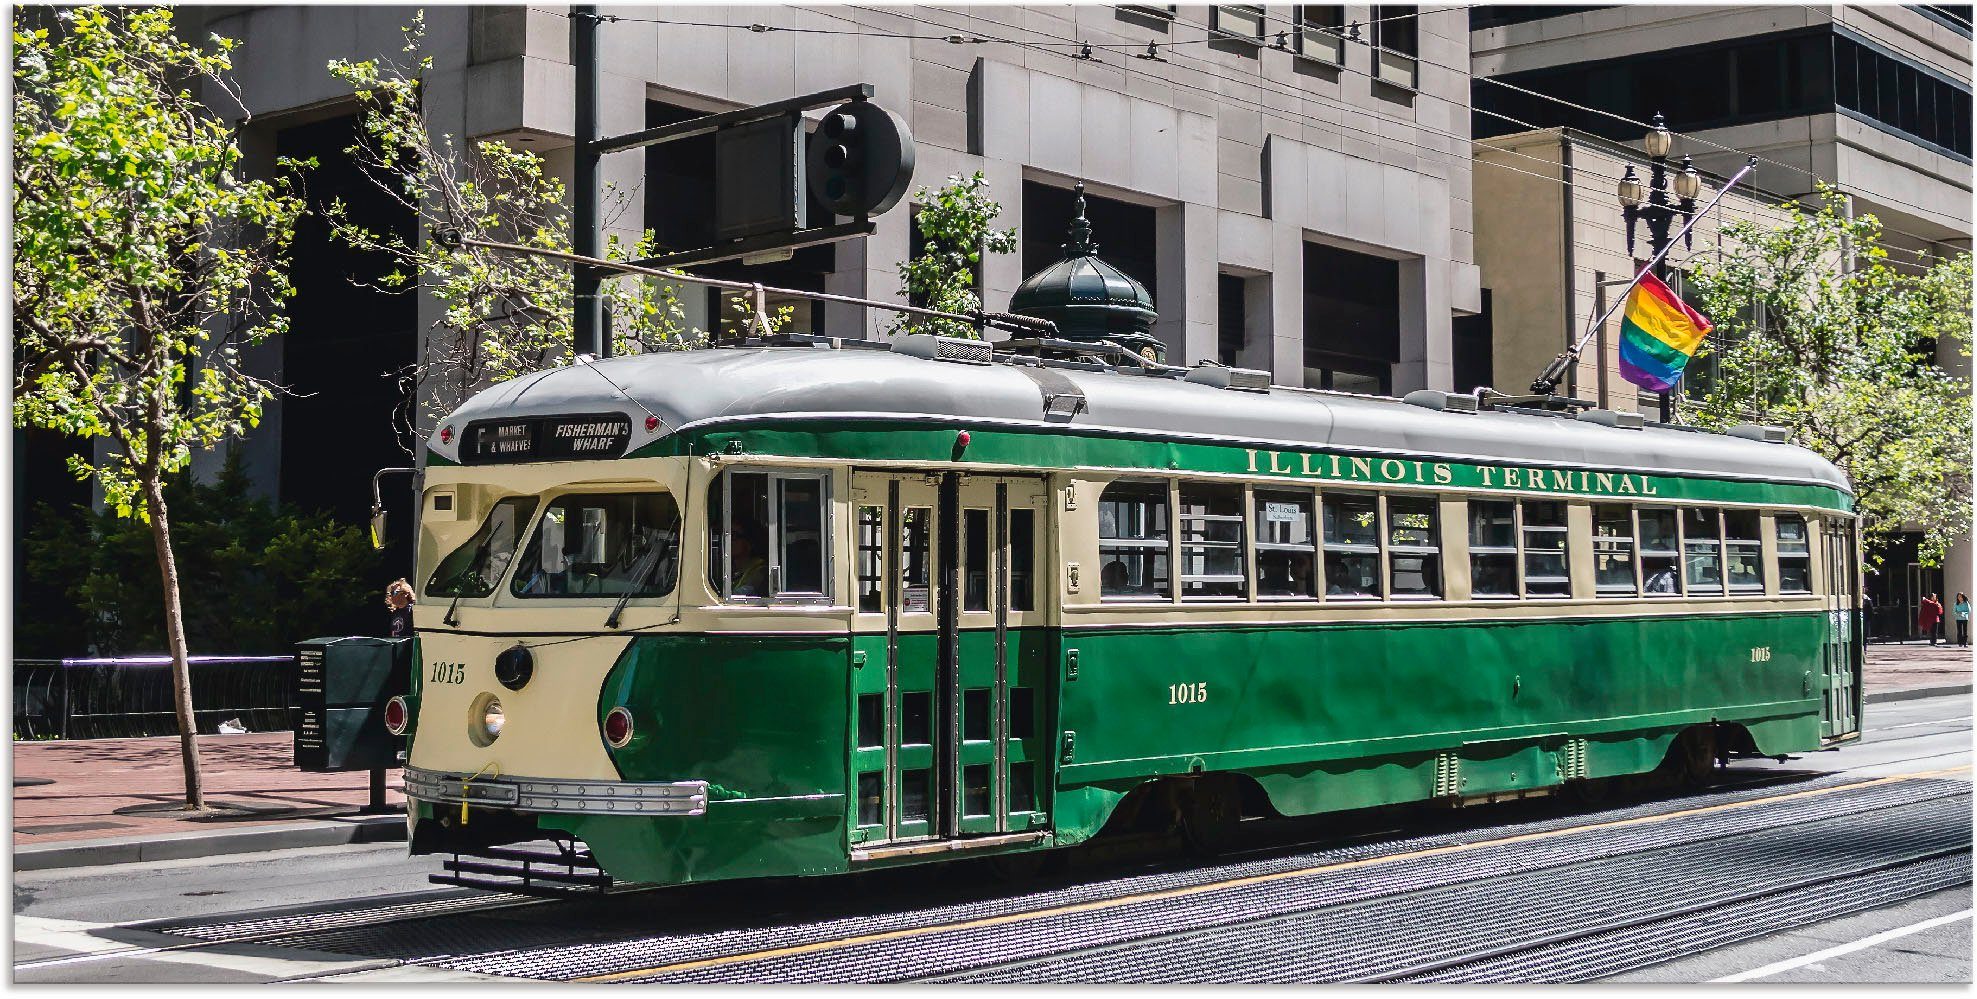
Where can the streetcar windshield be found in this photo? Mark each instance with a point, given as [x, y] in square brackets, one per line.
[602, 545]
[475, 568]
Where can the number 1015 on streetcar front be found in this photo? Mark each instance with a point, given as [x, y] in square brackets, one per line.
[808, 608]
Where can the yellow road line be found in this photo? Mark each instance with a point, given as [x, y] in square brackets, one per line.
[1256, 879]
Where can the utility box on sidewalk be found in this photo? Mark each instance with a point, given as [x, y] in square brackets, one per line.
[341, 686]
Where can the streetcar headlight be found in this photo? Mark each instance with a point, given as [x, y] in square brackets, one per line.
[397, 716]
[484, 720]
[617, 727]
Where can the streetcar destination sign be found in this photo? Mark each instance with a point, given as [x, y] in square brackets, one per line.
[547, 438]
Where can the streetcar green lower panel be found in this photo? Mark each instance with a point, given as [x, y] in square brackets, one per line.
[1323, 717]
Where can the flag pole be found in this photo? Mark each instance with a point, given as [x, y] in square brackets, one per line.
[1547, 382]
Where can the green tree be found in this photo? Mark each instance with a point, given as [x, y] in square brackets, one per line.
[503, 313]
[267, 572]
[144, 260]
[957, 226]
[1819, 332]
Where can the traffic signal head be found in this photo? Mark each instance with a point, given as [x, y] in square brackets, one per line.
[860, 160]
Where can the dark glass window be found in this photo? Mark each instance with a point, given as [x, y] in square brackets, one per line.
[602, 545]
[1133, 541]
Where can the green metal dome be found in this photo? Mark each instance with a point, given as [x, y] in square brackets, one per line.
[1088, 299]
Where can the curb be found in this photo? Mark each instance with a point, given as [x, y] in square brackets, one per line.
[188, 845]
[1917, 693]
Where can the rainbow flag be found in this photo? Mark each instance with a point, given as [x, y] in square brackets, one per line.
[1658, 335]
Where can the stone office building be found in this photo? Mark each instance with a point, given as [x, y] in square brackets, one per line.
[1290, 183]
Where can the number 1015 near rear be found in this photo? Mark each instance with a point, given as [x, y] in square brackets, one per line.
[806, 607]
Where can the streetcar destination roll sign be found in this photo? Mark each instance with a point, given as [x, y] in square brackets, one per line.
[547, 438]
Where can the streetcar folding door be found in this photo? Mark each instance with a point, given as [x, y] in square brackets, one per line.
[1841, 651]
[948, 672]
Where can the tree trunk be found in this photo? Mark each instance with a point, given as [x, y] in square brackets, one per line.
[161, 536]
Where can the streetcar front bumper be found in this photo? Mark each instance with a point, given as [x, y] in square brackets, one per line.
[568, 797]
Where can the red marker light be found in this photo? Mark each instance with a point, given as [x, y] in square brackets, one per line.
[396, 716]
[961, 439]
[446, 435]
[617, 728]
[651, 424]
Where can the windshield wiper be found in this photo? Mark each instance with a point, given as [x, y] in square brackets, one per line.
[638, 584]
[474, 566]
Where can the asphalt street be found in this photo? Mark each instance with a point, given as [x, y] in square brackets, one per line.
[76, 925]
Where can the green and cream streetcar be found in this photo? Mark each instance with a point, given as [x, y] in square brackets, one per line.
[811, 608]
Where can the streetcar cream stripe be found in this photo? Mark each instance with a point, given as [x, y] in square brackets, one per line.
[1156, 896]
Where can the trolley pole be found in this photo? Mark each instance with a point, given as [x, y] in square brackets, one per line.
[587, 239]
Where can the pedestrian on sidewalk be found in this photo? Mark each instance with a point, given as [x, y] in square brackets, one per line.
[1930, 616]
[398, 600]
[1962, 611]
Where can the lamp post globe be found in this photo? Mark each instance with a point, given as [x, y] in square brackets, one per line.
[1631, 192]
[1658, 141]
[1688, 183]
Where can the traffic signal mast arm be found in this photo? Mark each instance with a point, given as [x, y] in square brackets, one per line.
[980, 320]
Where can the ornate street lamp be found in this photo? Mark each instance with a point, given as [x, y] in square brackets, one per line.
[1657, 209]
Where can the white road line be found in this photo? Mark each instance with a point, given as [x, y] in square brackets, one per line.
[1846, 948]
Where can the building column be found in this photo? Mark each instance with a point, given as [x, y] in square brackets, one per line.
[1188, 264]
[1426, 359]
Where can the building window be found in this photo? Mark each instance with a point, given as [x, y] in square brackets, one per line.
[1794, 555]
[1237, 22]
[1743, 551]
[1352, 546]
[1414, 552]
[1286, 548]
[1396, 44]
[1163, 11]
[1212, 562]
[1133, 539]
[1318, 32]
[1702, 551]
[1351, 320]
[1613, 551]
[769, 536]
[1493, 549]
[1661, 553]
[1546, 571]
[1902, 97]
[1230, 318]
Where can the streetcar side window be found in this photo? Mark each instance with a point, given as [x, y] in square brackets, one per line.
[1794, 554]
[1743, 551]
[1661, 553]
[1352, 546]
[1132, 545]
[1212, 562]
[1414, 553]
[1546, 571]
[1702, 550]
[1286, 548]
[1493, 549]
[1613, 551]
[769, 536]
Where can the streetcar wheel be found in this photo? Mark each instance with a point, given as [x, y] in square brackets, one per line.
[1017, 867]
[1212, 815]
[1691, 759]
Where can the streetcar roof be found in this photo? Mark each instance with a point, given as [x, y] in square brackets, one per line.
[697, 389]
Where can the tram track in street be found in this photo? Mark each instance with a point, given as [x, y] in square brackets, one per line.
[627, 936]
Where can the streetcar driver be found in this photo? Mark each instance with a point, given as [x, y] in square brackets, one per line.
[750, 572]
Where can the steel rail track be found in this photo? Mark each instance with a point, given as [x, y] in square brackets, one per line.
[1605, 955]
[1466, 924]
[347, 927]
[922, 950]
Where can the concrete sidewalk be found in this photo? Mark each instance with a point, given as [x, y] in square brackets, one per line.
[111, 801]
[1896, 671]
[114, 800]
